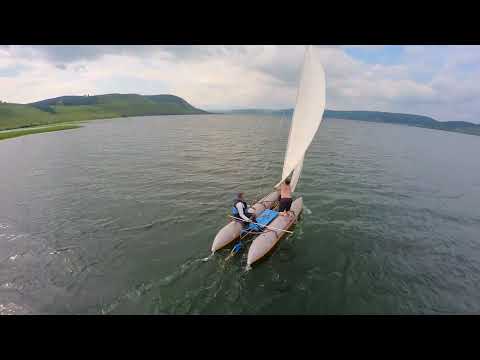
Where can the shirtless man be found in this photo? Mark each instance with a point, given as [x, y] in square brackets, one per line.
[285, 198]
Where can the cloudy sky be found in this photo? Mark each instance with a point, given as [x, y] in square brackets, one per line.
[438, 81]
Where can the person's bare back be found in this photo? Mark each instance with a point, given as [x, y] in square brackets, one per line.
[285, 191]
[285, 198]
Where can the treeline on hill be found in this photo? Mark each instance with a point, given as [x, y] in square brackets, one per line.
[77, 108]
[382, 117]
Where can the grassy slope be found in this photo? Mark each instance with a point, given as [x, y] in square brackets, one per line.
[34, 130]
[16, 115]
[78, 108]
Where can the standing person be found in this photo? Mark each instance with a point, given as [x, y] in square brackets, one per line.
[241, 210]
[285, 198]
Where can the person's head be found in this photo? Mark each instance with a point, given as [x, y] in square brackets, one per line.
[287, 181]
[240, 195]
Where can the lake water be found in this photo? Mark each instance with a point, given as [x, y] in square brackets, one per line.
[115, 217]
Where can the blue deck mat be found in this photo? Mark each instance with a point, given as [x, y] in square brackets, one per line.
[265, 218]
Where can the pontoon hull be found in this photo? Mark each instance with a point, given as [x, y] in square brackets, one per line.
[264, 242]
[232, 230]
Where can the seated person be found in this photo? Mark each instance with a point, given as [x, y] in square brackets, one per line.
[240, 210]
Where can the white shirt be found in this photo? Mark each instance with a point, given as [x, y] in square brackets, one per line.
[240, 209]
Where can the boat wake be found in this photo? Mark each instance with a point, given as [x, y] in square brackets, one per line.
[141, 290]
[140, 227]
[306, 210]
[205, 259]
[162, 295]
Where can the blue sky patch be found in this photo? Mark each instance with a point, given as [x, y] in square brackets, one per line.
[11, 71]
[386, 55]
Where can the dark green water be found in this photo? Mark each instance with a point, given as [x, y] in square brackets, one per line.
[115, 218]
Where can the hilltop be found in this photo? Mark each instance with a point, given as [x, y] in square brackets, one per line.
[76, 108]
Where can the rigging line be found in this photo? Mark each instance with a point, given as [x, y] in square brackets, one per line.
[280, 129]
[265, 168]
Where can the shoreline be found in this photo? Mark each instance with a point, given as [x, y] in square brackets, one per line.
[12, 133]
[35, 129]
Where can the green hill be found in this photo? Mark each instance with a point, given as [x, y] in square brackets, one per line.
[77, 108]
[382, 117]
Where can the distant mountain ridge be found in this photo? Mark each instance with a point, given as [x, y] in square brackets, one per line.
[76, 108]
[382, 117]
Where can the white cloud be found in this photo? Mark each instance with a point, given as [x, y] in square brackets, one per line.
[438, 81]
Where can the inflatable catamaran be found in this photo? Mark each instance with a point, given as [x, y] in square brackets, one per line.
[269, 227]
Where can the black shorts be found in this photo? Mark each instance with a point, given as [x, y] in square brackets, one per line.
[285, 204]
[249, 215]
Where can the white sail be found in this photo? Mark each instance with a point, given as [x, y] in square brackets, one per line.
[296, 175]
[307, 115]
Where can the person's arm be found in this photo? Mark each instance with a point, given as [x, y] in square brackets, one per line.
[239, 207]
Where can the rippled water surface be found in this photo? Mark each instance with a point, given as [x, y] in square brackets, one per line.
[115, 218]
